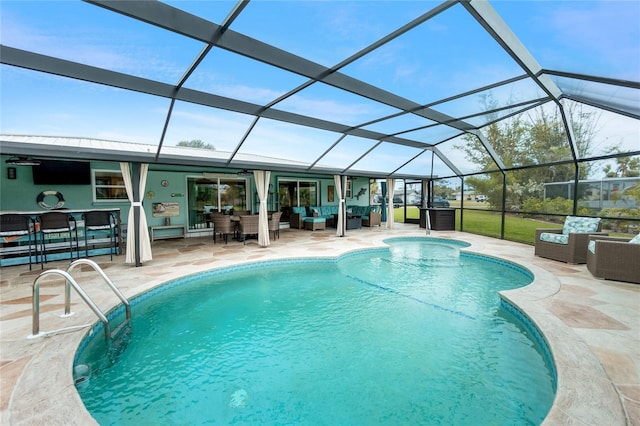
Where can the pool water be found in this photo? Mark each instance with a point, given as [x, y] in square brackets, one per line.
[410, 335]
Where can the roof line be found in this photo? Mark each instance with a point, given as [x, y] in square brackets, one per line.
[595, 79]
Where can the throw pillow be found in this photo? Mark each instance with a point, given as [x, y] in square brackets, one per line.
[580, 224]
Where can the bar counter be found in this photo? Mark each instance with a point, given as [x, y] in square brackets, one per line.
[14, 249]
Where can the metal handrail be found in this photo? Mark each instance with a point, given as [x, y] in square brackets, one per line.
[70, 282]
[81, 292]
[98, 269]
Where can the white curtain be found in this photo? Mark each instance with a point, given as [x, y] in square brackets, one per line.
[390, 187]
[145, 243]
[340, 228]
[262, 186]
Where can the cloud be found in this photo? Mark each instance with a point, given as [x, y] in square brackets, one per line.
[605, 33]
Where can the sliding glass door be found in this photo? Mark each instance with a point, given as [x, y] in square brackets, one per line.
[294, 193]
[207, 194]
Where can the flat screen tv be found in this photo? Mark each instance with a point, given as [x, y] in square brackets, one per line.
[54, 172]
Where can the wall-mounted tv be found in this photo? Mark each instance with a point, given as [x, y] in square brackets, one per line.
[54, 172]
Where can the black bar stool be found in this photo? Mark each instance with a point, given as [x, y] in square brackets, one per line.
[57, 223]
[100, 221]
[17, 225]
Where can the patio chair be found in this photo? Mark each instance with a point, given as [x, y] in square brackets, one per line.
[249, 225]
[614, 258]
[568, 244]
[223, 226]
[274, 224]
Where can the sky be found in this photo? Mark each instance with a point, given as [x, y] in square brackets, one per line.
[446, 56]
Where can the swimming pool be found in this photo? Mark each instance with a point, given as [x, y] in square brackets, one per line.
[415, 334]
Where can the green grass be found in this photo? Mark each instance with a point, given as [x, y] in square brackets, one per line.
[488, 223]
[515, 228]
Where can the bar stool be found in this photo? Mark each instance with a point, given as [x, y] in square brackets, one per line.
[100, 221]
[57, 223]
[18, 225]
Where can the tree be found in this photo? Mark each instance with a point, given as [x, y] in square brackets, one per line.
[532, 138]
[627, 166]
[196, 143]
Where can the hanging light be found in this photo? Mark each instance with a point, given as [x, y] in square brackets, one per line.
[245, 172]
[23, 161]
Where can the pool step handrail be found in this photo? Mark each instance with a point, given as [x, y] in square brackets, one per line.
[70, 282]
[98, 269]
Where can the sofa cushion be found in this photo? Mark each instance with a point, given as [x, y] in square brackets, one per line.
[592, 246]
[635, 240]
[554, 238]
[301, 210]
[580, 224]
[324, 211]
[328, 211]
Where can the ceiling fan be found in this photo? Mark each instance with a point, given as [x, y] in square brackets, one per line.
[23, 161]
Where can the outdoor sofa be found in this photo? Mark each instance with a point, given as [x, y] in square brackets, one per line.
[370, 215]
[300, 219]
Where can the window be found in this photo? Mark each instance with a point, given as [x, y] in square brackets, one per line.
[108, 185]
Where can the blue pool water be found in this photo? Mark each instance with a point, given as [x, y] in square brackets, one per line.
[416, 334]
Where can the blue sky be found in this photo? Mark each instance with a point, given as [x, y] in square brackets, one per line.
[448, 55]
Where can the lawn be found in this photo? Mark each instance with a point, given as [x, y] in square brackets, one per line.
[515, 228]
[488, 223]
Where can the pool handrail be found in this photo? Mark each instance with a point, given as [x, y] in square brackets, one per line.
[98, 269]
[70, 282]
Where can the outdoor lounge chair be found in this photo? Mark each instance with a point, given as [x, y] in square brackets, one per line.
[568, 244]
[614, 258]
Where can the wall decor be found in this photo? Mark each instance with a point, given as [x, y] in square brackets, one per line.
[166, 209]
[331, 193]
